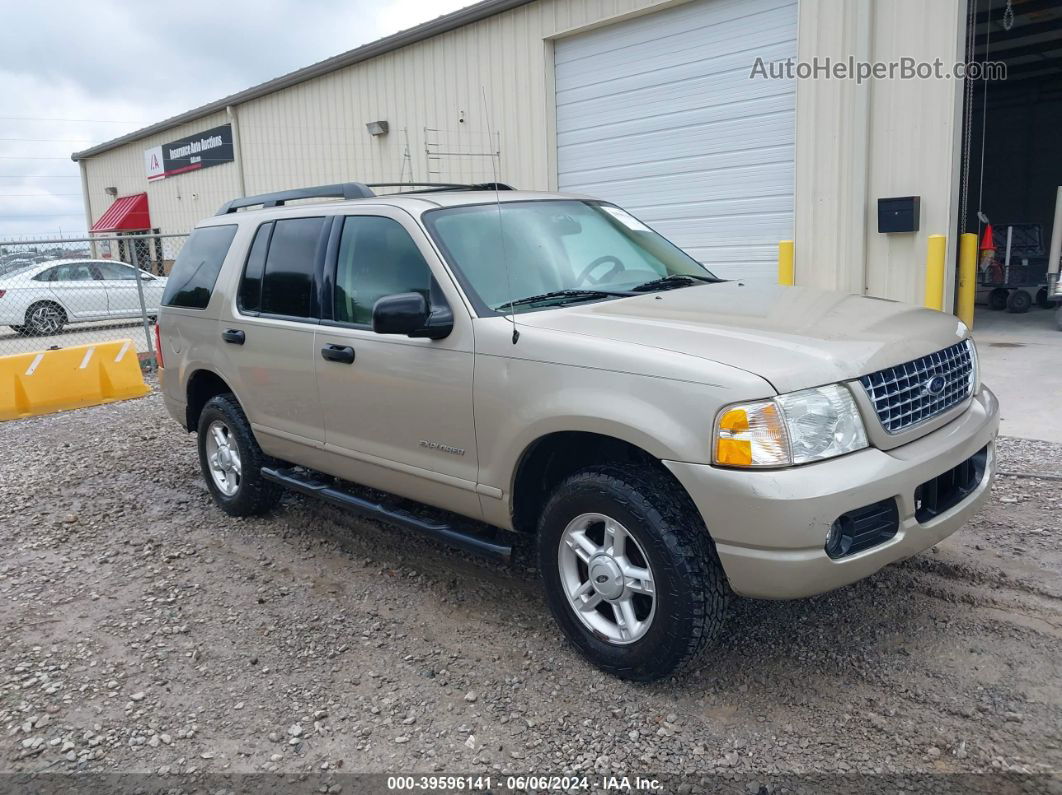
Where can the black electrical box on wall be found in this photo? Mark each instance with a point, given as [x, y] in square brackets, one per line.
[899, 214]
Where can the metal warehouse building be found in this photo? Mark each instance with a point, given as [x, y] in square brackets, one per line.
[651, 104]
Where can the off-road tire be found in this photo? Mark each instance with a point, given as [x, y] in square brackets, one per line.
[691, 589]
[255, 495]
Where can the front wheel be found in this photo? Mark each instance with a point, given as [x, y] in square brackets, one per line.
[630, 572]
[232, 461]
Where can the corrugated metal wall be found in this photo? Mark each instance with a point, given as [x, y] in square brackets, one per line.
[854, 144]
[858, 143]
[443, 94]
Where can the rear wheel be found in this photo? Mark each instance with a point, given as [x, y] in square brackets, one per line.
[1019, 302]
[232, 461]
[630, 572]
[44, 318]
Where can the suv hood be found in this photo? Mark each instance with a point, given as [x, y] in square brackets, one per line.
[794, 337]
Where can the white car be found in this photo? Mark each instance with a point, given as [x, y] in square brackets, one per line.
[44, 297]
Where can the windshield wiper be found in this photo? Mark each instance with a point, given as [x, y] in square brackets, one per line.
[675, 280]
[554, 295]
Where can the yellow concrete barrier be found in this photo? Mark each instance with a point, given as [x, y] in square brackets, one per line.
[786, 274]
[936, 248]
[964, 300]
[69, 378]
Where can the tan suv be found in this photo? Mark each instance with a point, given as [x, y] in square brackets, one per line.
[548, 365]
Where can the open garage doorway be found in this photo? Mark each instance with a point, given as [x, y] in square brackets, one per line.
[1012, 164]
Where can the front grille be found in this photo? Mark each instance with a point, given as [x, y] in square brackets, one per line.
[902, 396]
[946, 491]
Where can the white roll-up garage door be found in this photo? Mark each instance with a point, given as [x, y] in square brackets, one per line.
[659, 115]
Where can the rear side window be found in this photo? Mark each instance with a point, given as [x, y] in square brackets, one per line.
[114, 272]
[76, 272]
[287, 283]
[196, 269]
[250, 296]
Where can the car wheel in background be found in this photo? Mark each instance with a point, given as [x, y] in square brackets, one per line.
[232, 461]
[630, 571]
[997, 299]
[1019, 302]
[44, 318]
[18, 329]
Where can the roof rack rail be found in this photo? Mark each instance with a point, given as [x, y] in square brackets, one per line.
[435, 187]
[348, 190]
[344, 190]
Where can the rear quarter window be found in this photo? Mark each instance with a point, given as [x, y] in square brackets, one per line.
[196, 270]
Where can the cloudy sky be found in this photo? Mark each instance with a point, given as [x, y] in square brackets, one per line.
[75, 73]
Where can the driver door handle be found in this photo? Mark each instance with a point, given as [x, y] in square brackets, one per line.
[343, 354]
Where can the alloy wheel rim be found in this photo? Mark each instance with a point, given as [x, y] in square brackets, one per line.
[223, 458]
[45, 319]
[607, 578]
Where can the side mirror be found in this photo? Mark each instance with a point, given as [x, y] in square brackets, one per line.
[408, 313]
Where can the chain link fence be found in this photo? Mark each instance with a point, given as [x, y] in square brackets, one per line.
[75, 291]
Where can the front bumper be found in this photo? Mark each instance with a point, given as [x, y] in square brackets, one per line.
[770, 526]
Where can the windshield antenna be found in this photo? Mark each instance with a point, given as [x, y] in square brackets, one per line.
[497, 201]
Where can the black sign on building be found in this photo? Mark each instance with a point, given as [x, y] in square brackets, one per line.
[191, 153]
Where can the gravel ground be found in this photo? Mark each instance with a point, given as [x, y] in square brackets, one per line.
[143, 630]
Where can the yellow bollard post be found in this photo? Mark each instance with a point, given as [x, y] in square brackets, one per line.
[935, 251]
[964, 305]
[786, 275]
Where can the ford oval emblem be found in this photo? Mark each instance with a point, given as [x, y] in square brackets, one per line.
[935, 385]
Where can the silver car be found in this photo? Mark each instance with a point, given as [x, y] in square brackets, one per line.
[43, 298]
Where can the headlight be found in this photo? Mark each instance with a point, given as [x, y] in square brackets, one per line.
[796, 428]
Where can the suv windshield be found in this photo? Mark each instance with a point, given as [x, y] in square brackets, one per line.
[522, 256]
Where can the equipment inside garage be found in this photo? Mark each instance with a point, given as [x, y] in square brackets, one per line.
[1012, 161]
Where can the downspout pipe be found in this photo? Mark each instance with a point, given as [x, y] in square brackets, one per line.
[237, 150]
[87, 203]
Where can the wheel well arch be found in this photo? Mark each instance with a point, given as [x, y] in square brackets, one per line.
[51, 302]
[548, 460]
[202, 386]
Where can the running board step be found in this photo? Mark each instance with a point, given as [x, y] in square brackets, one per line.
[306, 483]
